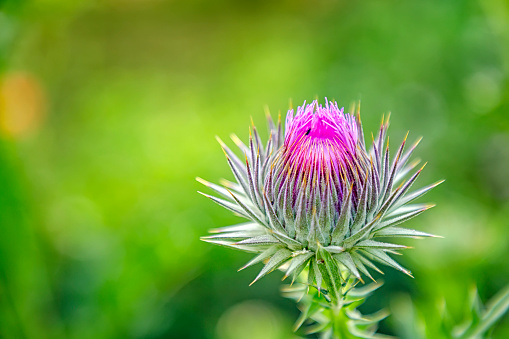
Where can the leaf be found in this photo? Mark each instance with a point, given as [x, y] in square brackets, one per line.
[234, 235]
[360, 216]
[274, 221]
[254, 192]
[318, 277]
[248, 211]
[365, 290]
[228, 205]
[353, 239]
[401, 232]
[344, 219]
[334, 249]
[381, 256]
[248, 226]
[360, 266]
[278, 259]
[406, 209]
[403, 188]
[290, 243]
[330, 272]
[346, 259]
[358, 333]
[378, 244]
[394, 168]
[259, 240]
[416, 194]
[231, 155]
[262, 256]
[219, 189]
[297, 264]
[495, 309]
[402, 218]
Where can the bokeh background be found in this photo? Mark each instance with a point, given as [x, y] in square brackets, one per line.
[108, 112]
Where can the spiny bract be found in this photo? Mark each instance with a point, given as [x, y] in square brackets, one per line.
[317, 198]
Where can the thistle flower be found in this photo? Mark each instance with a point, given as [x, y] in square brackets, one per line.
[317, 199]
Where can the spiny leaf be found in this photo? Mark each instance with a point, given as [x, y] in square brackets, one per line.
[330, 272]
[495, 309]
[402, 232]
[291, 243]
[252, 190]
[334, 249]
[278, 259]
[344, 219]
[353, 239]
[346, 259]
[221, 190]
[402, 218]
[360, 266]
[378, 244]
[416, 194]
[360, 216]
[262, 256]
[234, 235]
[298, 263]
[248, 211]
[231, 155]
[274, 221]
[381, 256]
[248, 226]
[259, 240]
[365, 290]
[228, 205]
[368, 262]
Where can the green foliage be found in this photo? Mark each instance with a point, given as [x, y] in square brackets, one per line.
[478, 320]
[334, 314]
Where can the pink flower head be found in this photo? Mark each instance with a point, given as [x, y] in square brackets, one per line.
[321, 151]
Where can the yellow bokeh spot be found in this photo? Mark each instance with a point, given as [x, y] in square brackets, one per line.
[22, 104]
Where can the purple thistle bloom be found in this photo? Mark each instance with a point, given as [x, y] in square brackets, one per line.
[317, 199]
[320, 150]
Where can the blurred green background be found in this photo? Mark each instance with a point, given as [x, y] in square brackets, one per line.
[108, 111]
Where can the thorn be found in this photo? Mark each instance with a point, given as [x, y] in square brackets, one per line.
[220, 141]
[203, 181]
[267, 111]
[438, 183]
[236, 140]
[226, 154]
[406, 136]
[423, 166]
[417, 142]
